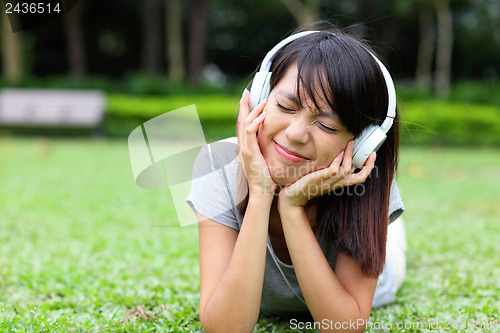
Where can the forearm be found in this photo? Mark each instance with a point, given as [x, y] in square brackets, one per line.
[235, 303]
[326, 297]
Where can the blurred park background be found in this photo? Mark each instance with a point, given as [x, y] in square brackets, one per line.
[84, 249]
[153, 56]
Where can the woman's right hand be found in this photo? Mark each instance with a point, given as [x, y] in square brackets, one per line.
[257, 173]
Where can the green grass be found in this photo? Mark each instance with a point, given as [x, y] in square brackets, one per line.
[83, 249]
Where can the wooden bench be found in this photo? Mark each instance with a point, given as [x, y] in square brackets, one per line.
[52, 108]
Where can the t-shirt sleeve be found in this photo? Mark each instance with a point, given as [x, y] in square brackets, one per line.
[212, 191]
[396, 207]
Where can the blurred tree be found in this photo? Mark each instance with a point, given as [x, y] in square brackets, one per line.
[111, 42]
[240, 33]
[11, 51]
[423, 73]
[444, 47]
[74, 41]
[175, 45]
[197, 36]
[151, 37]
[303, 12]
[435, 17]
[477, 24]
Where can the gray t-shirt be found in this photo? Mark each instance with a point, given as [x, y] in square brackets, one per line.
[218, 186]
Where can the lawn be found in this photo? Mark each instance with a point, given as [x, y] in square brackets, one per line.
[84, 249]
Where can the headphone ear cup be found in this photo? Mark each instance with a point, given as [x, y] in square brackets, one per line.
[366, 143]
[260, 88]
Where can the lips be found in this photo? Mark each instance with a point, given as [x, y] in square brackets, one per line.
[288, 154]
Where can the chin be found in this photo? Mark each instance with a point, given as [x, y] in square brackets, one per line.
[282, 180]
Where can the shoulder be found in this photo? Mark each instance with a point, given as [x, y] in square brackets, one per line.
[215, 155]
[216, 187]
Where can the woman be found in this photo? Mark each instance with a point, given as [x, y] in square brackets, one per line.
[287, 224]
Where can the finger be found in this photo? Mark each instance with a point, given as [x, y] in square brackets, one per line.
[256, 112]
[245, 102]
[252, 123]
[247, 125]
[329, 173]
[254, 126]
[244, 109]
[333, 169]
[250, 134]
[369, 165]
[362, 175]
[325, 178]
[249, 118]
[347, 160]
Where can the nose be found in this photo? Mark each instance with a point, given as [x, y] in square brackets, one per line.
[297, 130]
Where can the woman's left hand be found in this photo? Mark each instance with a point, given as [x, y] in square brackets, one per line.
[336, 175]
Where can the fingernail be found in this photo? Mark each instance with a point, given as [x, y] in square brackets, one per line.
[262, 115]
[341, 154]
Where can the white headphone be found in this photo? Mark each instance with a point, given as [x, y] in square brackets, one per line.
[370, 139]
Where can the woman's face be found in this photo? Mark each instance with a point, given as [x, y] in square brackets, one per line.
[297, 140]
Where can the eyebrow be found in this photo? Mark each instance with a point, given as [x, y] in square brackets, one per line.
[325, 113]
[330, 114]
[288, 95]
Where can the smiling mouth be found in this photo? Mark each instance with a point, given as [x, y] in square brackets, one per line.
[288, 154]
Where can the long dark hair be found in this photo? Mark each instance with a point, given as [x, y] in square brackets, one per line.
[337, 68]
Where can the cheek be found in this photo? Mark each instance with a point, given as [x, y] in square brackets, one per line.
[328, 153]
[274, 118]
[265, 132]
[261, 139]
[261, 132]
[323, 162]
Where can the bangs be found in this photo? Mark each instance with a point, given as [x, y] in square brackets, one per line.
[313, 82]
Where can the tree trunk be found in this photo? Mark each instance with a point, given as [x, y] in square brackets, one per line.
[197, 35]
[74, 42]
[423, 73]
[11, 51]
[151, 30]
[303, 13]
[444, 48]
[175, 47]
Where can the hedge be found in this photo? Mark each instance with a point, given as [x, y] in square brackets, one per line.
[445, 123]
[422, 122]
[217, 112]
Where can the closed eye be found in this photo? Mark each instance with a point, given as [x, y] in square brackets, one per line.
[327, 128]
[281, 106]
